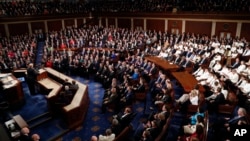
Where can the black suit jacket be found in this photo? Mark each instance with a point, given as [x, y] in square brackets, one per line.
[220, 99]
[140, 88]
[177, 60]
[31, 74]
[124, 119]
[116, 129]
[203, 61]
[154, 132]
[153, 71]
[235, 120]
[25, 138]
[235, 65]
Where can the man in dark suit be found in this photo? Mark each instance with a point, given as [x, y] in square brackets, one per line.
[110, 99]
[74, 87]
[236, 64]
[31, 78]
[125, 117]
[140, 87]
[202, 61]
[25, 134]
[222, 126]
[177, 59]
[66, 82]
[116, 127]
[151, 126]
[214, 103]
[127, 98]
[154, 129]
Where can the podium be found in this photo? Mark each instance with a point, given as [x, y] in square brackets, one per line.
[12, 89]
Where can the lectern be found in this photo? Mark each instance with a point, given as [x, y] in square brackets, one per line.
[12, 89]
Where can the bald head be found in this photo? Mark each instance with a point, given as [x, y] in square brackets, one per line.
[25, 130]
[94, 138]
[35, 137]
[31, 65]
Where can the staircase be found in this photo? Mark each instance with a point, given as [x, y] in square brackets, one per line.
[39, 53]
[39, 120]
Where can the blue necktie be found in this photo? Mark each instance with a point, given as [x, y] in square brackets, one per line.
[233, 119]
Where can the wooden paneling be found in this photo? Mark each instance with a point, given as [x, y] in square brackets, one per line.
[174, 25]
[124, 23]
[92, 21]
[111, 22]
[2, 30]
[138, 23]
[226, 27]
[158, 25]
[69, 22]
[79, 22]
[245, 31]
[199, 27]
[54, 25]
[103, 20]
[37, 26]
[18, 29]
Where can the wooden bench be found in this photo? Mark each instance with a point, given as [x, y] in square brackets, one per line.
[124, 135]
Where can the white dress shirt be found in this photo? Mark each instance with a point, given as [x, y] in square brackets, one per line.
[241, 68]
[194, 100]
[225, 93]
[107, 138]
[246, 52]
[246, 88]
[223, 71]
[198, 72]
[207, 81]
[242, 84]
[205, 75]
[217, 67]
[234, 77]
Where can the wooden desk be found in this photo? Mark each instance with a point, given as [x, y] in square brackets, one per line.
[162, 63]
[187, 81]
[42, 75]
[15, 125]
[52, 85]
[13, 90]
[20, 121]
[75, 112]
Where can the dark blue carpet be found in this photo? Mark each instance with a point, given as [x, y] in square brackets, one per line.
[34, 105]
[95, 122]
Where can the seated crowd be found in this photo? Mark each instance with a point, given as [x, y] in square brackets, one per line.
[116, 58]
